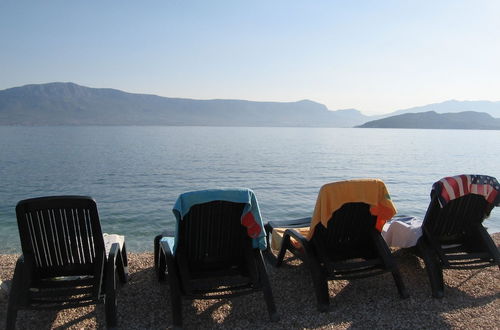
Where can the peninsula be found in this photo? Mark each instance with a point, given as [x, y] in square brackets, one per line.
[433, 120]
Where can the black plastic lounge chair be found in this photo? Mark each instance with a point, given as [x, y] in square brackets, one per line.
[453, 237]
[349, 247]
[64, 262]
[214, 258]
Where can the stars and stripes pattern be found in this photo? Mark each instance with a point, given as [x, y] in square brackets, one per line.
[453, 187]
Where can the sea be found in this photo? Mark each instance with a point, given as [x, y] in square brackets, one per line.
[135, 173]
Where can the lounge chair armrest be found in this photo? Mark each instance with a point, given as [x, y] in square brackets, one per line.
[296, 235]
[271, 225]
[166, 261]
[113, 253]
[110, 283]
[296, 223]
[308, 251]
[165, 248]
[168, 264]
[156, 244]
[166, 233]
[301, 240]
[117, 258]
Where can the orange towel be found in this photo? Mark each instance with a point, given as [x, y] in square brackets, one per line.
[332, 196]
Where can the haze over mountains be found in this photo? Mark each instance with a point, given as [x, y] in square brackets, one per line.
[72, 104]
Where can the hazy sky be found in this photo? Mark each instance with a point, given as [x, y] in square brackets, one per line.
[375, 56]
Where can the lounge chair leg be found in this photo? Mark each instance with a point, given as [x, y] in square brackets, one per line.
[11, 313]
[320, 286]
[110, 308]
[17, 293]
[162, 266]
[283, 248]
[110, 299]
[11, 318]
[385, 253]
[176, 302]
[157, 249]
[439, 292]
[434, 271]
[322, 296]
[400, 284]
[266, 288]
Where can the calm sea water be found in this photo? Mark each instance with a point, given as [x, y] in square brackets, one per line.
[136, 173]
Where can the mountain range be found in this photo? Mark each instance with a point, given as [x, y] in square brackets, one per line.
[72, 104]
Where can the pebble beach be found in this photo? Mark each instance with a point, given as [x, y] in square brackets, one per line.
[472, 301]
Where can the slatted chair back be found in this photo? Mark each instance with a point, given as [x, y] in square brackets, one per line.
[454, 220]
[62, 235]
[347, 234]
[211, 237]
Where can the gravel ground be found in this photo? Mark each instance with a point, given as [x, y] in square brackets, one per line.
[472, 300]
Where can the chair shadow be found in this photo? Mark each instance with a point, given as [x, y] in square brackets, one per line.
[86, 317]
[374, 302]
[95, 312]
[24, 317]
[144, 303]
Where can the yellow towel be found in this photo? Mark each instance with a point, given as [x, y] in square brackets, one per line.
[332, 196]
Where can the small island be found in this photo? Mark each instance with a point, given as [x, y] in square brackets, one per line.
[434, 120]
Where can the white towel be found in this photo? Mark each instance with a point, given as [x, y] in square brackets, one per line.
[109, 239]
[402, 232]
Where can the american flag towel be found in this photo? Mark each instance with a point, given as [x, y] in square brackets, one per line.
[453, 187]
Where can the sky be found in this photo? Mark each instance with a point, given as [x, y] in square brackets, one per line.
[374, 56]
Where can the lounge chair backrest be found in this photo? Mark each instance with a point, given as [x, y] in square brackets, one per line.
[211, 236]
[62, 235]
[454, 219]
[347, 233]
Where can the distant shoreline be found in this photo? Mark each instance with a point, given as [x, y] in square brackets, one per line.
[67, 103]
[250, 126]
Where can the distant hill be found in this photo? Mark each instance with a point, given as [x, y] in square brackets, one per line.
[492, 108]
[431, 119]
[72, 104]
